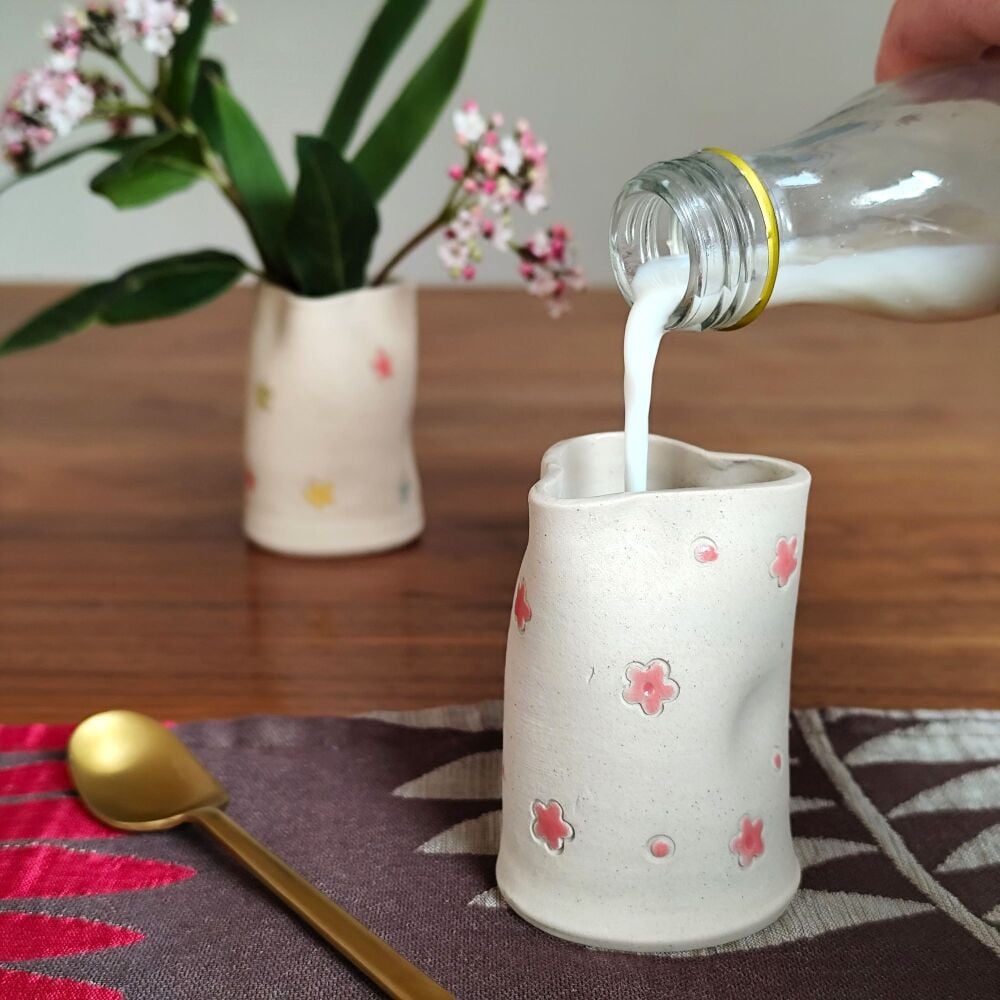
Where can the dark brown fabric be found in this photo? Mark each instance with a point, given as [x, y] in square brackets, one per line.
[896, 818]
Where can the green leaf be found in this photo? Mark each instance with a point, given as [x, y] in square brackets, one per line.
[184, 58]
[113, 144]
[170, 286]
[158, 288]
[406, 124]
[162, 165]
[385, 35]
[76, 312]
[264, 196]
[333, 221]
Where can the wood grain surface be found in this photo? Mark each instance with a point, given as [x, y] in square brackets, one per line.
[124, 579]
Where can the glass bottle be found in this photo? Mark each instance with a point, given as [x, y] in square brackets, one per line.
[891, 206]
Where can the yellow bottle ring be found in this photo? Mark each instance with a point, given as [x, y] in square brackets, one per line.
[763, 197]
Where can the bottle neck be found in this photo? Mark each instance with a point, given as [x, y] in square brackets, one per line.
[700, 212]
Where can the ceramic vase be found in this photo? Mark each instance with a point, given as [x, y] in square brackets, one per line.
[646, 697]
[330, 469]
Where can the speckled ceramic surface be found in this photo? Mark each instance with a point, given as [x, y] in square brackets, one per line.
[645, 788]
[329, 455]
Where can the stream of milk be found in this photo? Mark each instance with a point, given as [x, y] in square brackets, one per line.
[917, 283]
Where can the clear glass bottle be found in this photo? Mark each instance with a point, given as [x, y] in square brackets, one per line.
[891, 205]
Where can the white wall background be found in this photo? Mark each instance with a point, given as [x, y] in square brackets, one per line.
[611, 85]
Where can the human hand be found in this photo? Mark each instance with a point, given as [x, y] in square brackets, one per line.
[924, 33]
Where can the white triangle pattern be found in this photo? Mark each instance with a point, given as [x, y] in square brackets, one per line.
[489, 899]
[480, 835]
[973, 790]
[486, 716]
[813, 913]
[993, 917]
[797, 804]
[979, 852]
[818, 850]
[476, 776]
[955, 740]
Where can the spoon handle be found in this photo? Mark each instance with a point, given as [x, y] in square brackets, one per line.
[368, 952]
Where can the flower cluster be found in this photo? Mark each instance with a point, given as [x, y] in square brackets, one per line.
[547, 270]
[42, 105]
[49, 102]
[501, 172]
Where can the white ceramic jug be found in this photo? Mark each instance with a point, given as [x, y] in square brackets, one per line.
[645, 759]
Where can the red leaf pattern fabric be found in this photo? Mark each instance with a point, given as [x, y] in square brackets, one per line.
[42, 871]
[24, 936]
[36, 736]
[30, 779]
[50, 819]
[19, 985]
[39, 871]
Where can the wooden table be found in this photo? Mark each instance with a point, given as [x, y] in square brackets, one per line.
[124, 579]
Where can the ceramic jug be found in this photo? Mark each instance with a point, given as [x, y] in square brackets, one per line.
[645, 755]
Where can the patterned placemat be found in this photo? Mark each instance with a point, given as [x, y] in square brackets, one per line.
[896, 817]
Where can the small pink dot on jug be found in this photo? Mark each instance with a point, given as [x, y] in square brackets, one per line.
[660, 847]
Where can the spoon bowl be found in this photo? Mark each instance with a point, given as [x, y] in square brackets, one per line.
[135, 774]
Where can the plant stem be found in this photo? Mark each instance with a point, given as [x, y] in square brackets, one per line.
[216, 168]
[162, 111]
[443, 217]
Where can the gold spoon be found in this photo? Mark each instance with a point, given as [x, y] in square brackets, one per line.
[134, 774]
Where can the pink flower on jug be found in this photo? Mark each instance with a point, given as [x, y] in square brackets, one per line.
[522, 609]
[749, 842]
[705, 550]
[649, 686]
[549, 826]
[501, 172]
[785, 561]
[382, 364]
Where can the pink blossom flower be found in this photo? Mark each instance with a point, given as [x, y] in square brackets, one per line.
[42, 105]
[222, 14]
[549, 826]
[749, 842]
[65, 38]
[512, 158]
[503, 171]
[649, 686]
[785, 561]
[155, 23]
[489, 158]
[468, 123]
[539, 244]
[454, 254]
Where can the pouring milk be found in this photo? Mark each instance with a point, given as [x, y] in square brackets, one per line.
[890, 206]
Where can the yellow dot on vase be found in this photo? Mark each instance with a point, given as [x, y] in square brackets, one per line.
[319, 493]
[262, 396]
